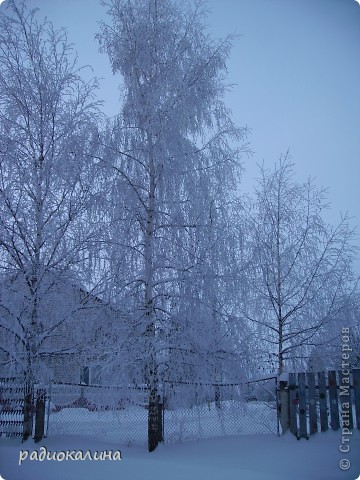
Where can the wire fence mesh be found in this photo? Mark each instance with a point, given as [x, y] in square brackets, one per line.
[193, 412]
[109, 413]
[120, 414]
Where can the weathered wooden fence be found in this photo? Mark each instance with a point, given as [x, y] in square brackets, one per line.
[314, 402]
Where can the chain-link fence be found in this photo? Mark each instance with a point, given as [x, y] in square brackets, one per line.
[120, 414]
[193, 412]
[109, 413]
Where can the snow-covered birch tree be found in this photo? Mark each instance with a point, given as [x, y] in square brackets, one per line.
[170, 153]
[299, 269]
[47, 120]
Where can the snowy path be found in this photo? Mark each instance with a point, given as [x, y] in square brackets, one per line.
[250, 457]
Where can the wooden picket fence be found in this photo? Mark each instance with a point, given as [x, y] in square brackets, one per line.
[319, 401]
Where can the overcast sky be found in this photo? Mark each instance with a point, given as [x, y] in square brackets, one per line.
[296, 70]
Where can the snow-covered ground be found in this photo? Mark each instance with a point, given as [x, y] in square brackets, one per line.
[248, 457]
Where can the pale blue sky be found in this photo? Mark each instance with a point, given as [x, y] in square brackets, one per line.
[296, 67]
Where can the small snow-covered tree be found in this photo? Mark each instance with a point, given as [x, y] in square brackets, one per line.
[327, 352]
[47, 120]
[170, 153]
[299, 269]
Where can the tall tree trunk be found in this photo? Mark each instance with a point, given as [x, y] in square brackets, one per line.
[153, 421]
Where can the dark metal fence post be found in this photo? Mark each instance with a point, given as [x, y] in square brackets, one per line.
[153, 421]
[28, 413]
[217, 396]
[39, 416]
[160, 421]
